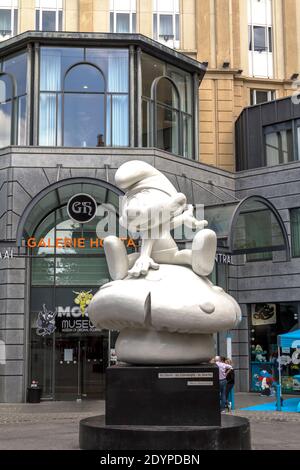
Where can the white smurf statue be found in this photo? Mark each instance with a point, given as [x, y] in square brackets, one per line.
[160, 299]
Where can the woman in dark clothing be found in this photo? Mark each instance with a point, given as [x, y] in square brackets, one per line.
[230, 381]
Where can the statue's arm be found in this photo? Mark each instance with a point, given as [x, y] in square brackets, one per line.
[187, 218]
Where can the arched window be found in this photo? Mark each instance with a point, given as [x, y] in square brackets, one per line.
[7, 94]
[84, 107]
[166, 115]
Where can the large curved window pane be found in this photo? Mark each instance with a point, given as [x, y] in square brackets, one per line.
[114, 65]
[257, 229]
[84, 120]
[166, 93]
[54, 64]
[183, 82]
[84, 78]
[17, 66]
[167, 134]
[152, 68]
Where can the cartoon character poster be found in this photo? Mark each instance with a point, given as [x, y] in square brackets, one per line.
[263, 314]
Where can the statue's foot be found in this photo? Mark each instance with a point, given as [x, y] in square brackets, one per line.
[203, 252]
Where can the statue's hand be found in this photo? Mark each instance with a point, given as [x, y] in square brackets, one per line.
[190, 221]
[142, 266]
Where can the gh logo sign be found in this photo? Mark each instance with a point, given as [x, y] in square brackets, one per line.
[82, 208]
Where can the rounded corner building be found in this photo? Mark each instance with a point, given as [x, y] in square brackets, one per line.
[73, 108]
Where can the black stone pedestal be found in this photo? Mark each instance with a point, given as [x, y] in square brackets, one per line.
[233, 434]
[163, 396]
[163, 408]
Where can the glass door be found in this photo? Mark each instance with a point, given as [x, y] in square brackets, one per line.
[94, 360]
[67, 368]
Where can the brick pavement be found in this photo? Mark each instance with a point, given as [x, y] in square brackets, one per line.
[54, 425]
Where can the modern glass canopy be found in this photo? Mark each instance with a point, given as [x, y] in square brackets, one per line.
[252, 225]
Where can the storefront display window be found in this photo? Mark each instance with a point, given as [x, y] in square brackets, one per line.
[268, 320]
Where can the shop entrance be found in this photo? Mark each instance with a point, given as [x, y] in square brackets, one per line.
[68, 356]
[80, 364]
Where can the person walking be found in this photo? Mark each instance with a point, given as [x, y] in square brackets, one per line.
[223, 368]
[230, 382]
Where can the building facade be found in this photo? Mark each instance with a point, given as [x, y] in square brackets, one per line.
[76, 103]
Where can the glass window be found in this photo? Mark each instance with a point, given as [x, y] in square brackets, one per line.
[178, 97]
[152, 68]
[166, 22]
[259, 38]
[166, 93]
[54, 64]
[48, 15]
[8, 19]
[83, 107]
[17, 66]
[5, 23]
[13, 100]
[122, 23]
[260, 20]
[96, 94]
[84, 78]
[295, 232]
[261, 96]
[167, 116]
[268, 320]
[122, 16]
[257, 231]
[83, 120]
[279, 145]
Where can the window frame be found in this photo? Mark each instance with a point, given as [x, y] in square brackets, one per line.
[268, 38]
[108, 102]
[253, 97]
[59, 17]
[65, 92]
[284, 126]
[113, 21]
[156, 104]
[13, 99]
[14, 21]
[175, 37]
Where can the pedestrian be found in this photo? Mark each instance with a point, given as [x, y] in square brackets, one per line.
[230, 382]
[223, 367]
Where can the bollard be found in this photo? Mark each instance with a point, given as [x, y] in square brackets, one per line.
[278, 397]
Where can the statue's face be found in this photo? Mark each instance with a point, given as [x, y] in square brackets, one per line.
[146, 210]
